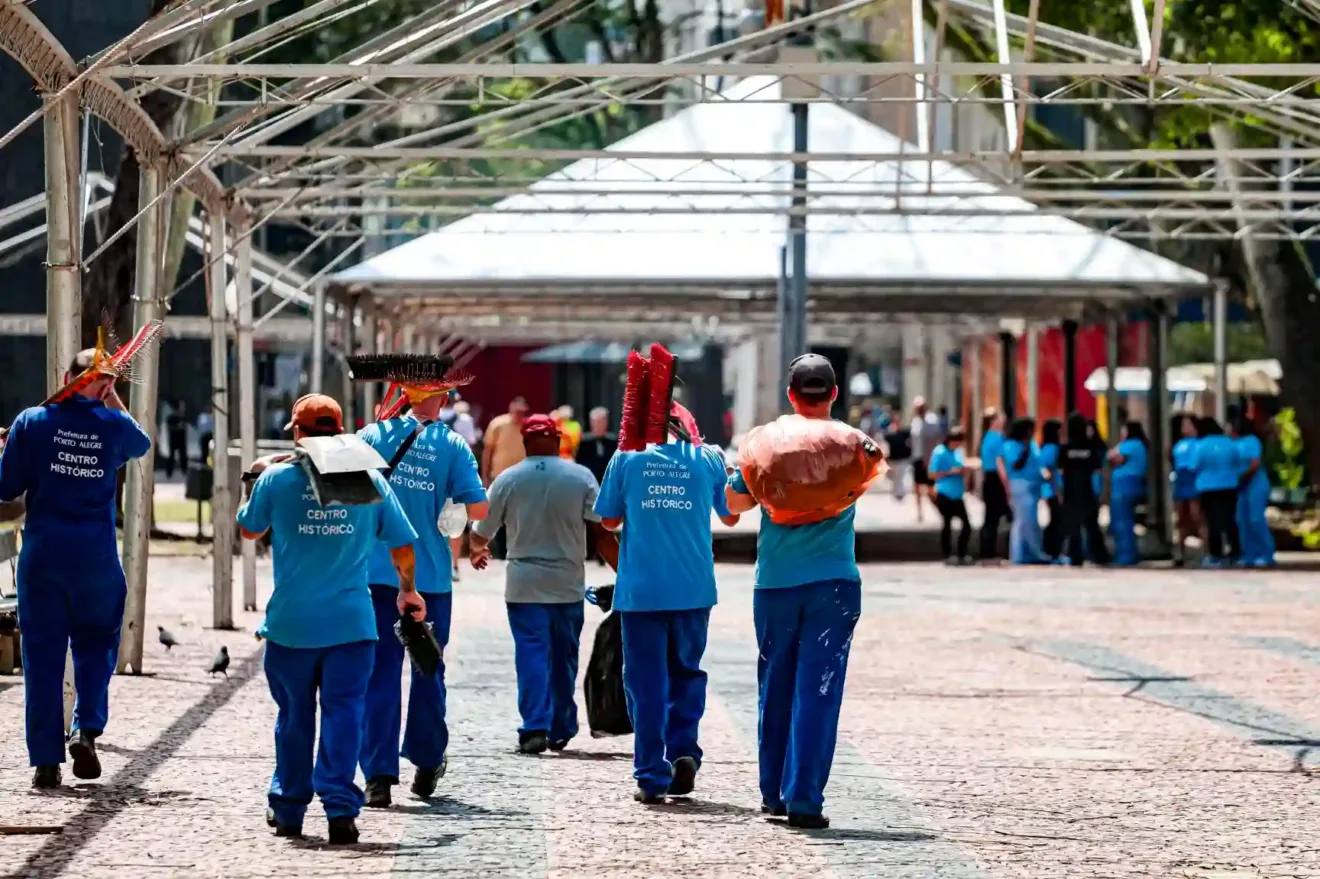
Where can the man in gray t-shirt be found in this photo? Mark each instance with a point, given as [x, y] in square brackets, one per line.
[541, 503]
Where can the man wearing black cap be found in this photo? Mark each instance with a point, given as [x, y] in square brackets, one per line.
[807, 601]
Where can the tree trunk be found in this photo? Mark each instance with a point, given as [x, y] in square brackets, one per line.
[1285, 291]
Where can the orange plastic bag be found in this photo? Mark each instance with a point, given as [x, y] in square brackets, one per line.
[804, 470]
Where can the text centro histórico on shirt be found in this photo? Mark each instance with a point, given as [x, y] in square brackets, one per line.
[665, 495]
[64, 457]
[321, 595]
[542, 502]
[439, 466]
[795, 555]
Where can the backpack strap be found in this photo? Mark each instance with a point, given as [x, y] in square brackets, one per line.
[403, 448]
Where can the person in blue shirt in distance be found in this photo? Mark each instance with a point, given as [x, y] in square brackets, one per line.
[1021, 470]
[949, 474]
[994, 491]
[439, 466]
[1051, 443]
[63, 460]
[1215, 461]
[1183, 458]
[806, 604]
[1253, 496]
[1127, 489]
[662, 498]
[320, 624]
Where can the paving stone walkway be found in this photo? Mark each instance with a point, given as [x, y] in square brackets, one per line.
[1002, 722]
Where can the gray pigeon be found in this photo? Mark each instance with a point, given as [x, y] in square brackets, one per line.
[221, 663]
[166, 638]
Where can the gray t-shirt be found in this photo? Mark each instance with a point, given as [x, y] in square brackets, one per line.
[542, 503]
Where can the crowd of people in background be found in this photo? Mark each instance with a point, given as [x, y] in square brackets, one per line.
[1220, 488]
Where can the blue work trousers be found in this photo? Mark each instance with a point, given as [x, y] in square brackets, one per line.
[59, 610]
[1253, 526]
[545, 650]
[1123, 525]
[297, 676]
[1025, 537]
[426, 737]
[666, 689]
[804, 634]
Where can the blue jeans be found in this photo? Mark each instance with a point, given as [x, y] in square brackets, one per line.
[1253, 527]
[427, 737]
[1123, 526]
[804, 634]
[61, 611]
[545, 649]
[296, 675]
[1024, 538]
[666, 689]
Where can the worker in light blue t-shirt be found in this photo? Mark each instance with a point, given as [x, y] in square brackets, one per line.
[1215, 462]
[807, 601]
[1127, 490]
[950, 477]
[662, 497]
[1253, 496]
[438, 466]
[320, 627]
[994, 491]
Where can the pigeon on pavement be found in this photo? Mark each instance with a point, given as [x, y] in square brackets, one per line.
[166, 638]
[221, 663]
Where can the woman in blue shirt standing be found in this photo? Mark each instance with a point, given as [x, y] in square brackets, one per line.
[947, 469]
[994, 490]
[1183, 459]
[1051, 439]
[1127, 489]
[1020, 468]
[1215, 461]
[1253, 496]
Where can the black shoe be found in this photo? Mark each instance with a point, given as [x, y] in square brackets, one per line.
[82, 748]
[288, 831]
[425, 780]
[685, 777]
[807, 822]
[532, 742]
[558, 746]
[648, 799]
[47, 777]
[378, 791]
[773, 811]
[343, 831]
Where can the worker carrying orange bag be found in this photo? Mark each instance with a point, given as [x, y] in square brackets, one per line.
[803, 470]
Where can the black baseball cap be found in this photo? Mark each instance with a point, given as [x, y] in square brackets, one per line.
[811, 374]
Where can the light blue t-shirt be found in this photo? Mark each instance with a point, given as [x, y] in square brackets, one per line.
[439, 466]
[1250, 449]
[321, 595]
[1029, 472]
[1130, 476]
[1049, 460]
[1216, 462]
[664, 494]
[794, 555]
[992, 447]
[945, 458]
[1184, 468]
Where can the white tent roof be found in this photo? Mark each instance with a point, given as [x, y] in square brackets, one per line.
[502, 249]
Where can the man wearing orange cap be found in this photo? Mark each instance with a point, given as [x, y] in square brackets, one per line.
[437, 466]
[541, 503]
[320, 626]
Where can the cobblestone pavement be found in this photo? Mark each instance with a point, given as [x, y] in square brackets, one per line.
[1009, 722]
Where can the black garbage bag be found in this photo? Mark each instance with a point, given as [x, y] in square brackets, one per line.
[418, 638]
[607, 703]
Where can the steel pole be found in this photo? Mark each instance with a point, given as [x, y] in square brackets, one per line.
[346, 311]
[1220, 330]
[370, 335]
[63, 294]
[140, 479]
[1160, 523]
[318, 341]
[1111, 381]
[222, 505]
[1033, 371]
[247, 393]
[797, 226]
[785, 342]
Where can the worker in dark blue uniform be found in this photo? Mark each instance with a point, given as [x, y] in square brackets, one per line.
[320, 626]
[807, 600]
[437, 467]
[63, 457]
[662, 497]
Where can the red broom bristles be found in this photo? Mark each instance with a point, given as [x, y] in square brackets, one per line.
[660, 391]
[632, 426]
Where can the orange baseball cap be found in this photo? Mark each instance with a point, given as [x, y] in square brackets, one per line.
[316, 412]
